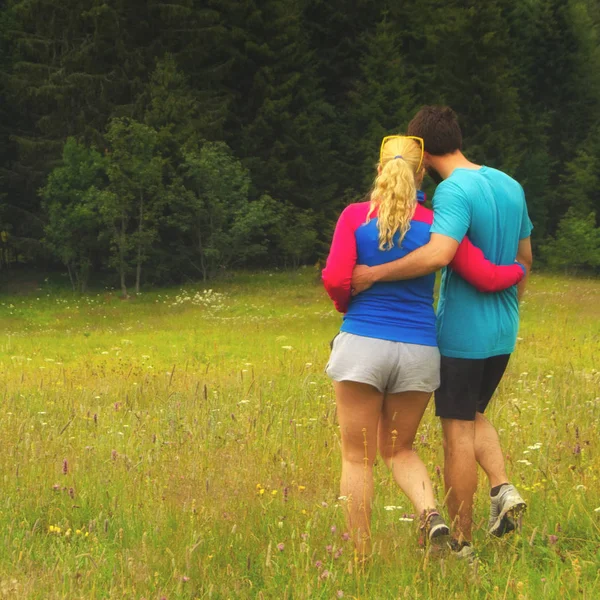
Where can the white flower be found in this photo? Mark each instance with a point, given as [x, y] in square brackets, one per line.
[406, 519]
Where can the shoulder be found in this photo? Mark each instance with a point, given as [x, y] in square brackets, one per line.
[456, 187]
[355, 214]
[423, 215]
[509, 183]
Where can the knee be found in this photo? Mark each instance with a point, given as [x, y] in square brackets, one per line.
[397, 449]
[359, 457]
[459, 436]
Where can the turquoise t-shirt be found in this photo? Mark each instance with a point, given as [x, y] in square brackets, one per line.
[489, 207]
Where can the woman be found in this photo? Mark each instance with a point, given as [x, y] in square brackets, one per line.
[385, 361]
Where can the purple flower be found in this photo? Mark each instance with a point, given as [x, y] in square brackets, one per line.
[552, 539]
[338, 553]
[325, 574]
[56, 487]
[339, 594]
[72, 492]
[333, 529]
[65, 467]
[185, 579]
[114, 454]
[577, 449]
[438, 471]
[318, 564]
[329, 548]
[280, 546]
[345, 536]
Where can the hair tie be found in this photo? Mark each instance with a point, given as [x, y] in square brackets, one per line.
[398, 156]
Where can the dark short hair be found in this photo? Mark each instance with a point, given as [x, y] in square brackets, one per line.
[439, 128]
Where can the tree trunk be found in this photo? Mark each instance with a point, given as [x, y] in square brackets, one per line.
[202, 258]
[71, 276]
[122, 258]
[138, 270]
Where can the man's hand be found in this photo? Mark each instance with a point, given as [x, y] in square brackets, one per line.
[362, 279]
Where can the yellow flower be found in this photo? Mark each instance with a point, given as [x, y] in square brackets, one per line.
[301, 488]
[274, 493]
[261, 491]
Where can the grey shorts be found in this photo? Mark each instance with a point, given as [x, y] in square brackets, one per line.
[391, 367]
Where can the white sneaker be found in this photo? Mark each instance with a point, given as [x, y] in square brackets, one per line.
[505, 510]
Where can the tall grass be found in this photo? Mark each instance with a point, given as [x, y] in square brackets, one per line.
[183, 444]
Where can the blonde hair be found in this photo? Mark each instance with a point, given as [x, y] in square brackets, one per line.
[394, 193]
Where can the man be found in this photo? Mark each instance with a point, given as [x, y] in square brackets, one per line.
[476, 332]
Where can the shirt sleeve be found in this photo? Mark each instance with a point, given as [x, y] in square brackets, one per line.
[337, 274]
[526, 224]
[451, 211]
[471, 264]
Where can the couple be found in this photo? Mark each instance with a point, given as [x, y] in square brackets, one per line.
[385, 362]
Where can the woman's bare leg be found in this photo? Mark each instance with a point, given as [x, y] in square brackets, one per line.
[358, 411]
[400, 420]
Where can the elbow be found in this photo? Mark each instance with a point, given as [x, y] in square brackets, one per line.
[442, 259]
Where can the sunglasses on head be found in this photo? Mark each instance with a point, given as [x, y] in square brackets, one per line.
[387, 138]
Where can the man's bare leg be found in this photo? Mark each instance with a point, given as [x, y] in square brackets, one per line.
[460, 473]
[488, 451]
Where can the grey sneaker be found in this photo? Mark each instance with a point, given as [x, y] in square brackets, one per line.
[435, 527]
[505, 510]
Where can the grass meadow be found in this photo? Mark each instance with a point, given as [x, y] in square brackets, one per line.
[183, 444]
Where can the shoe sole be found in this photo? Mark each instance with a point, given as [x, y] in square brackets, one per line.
[508, 520]
[438, 538]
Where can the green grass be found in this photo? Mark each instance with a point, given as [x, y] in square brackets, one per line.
[156, 448]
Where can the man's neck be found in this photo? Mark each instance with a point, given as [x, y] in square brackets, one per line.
[447, 164]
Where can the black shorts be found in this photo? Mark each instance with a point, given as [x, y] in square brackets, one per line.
[467, 385]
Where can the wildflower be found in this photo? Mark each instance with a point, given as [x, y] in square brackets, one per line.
[185, 579]
[273, 492]
[65, 467]
[552, 539]
[333, 529]
[318, 564]
[325, 574]
[301, 488]
[304, 536]
[329, 548]
[280, 546]
[338, 553]
[345, 536]
[339, 594]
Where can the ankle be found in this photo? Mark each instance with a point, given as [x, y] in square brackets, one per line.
[496, 489]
